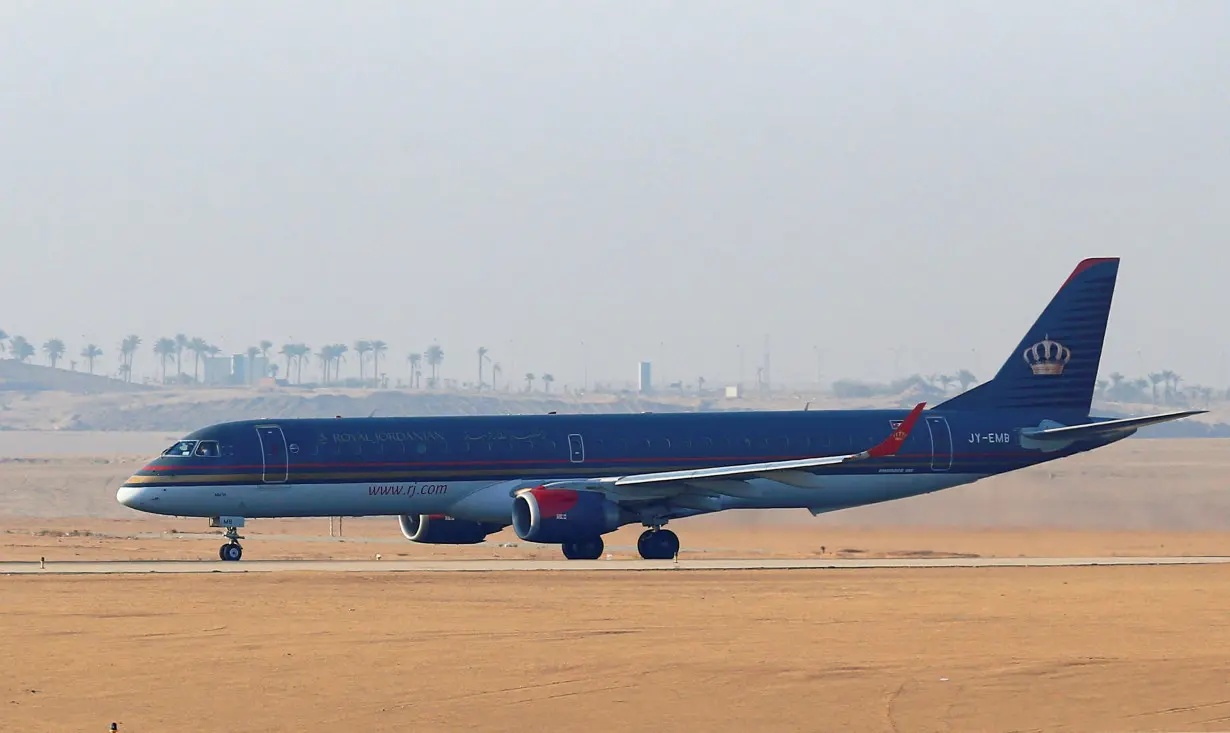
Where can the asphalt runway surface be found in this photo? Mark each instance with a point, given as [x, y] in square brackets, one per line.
[453, 566]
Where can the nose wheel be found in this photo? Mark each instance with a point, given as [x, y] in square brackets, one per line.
[231, 551]
[658, 544]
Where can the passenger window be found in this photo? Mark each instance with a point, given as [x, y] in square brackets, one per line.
[208, 449]
[183, 448]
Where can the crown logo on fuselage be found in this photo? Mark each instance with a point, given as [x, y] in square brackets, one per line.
[1047, 357]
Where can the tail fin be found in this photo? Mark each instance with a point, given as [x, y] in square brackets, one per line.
[1056, 365]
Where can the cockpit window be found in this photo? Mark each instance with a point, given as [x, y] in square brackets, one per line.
[182, 448]
[208, 449]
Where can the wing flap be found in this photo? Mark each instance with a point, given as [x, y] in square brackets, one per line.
[1103, 428]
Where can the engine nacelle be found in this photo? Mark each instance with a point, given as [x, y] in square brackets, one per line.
[556, 516]
[438, 529]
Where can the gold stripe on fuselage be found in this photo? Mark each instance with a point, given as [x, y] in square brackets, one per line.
[391, 476]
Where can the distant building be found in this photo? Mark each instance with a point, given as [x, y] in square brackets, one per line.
[216, 370]
[734, 392]
[245, 371]
[644, 384]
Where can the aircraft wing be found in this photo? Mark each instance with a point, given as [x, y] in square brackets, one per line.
[1103, 428]
[887, 447]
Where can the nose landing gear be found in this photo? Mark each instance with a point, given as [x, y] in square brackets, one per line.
[231, 551]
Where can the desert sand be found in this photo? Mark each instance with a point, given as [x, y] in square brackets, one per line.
[1012, 649]
[1125, 649]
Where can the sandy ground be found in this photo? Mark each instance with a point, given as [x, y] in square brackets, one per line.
[703, 537]
[1121, 649]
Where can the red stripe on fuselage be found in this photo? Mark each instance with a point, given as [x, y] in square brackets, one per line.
[650, 463]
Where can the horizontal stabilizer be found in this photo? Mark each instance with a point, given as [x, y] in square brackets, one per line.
[1104, 428]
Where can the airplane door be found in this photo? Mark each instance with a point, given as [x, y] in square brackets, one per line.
[576, 449]
[273, 453]
[941, 443]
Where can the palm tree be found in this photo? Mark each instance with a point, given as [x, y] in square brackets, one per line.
[198, 347]
[434, 356]
[1116, 379]
[415, 360]
[482, 354]
[128, 349]
[378, 348]
[338, 350]
[181, 342]
[529, 381]
[252, 353]
[363, 347]
[265, 345]
[325, 356]
[290, 352]
[20, 348]
[3, 337]
[165, 348]
[496, 370]
[547, 379]
[1156, 379]
[54, 348]
[303, 353]
[1167, 377]
[90, 353]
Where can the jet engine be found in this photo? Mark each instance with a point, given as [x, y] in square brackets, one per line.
[559, 516]
[438, 529]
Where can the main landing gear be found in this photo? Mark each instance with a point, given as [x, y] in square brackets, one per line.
[658, 544]
[590, 549]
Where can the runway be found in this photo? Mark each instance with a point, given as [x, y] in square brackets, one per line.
[487, 566]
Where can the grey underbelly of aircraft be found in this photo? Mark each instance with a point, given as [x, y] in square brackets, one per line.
[485, 501]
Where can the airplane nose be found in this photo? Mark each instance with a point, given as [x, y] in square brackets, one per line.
[129, 496]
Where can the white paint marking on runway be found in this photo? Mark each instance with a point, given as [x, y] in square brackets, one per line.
[436, 566]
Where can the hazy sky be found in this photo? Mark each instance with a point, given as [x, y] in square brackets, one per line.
[662, 180]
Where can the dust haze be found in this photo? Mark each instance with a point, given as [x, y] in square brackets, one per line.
[882, 189]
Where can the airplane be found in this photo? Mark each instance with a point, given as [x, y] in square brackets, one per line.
[569, 479]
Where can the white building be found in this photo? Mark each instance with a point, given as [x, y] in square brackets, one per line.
[644, 384]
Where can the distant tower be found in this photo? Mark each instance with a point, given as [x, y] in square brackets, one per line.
[767, 387]
[644, 384]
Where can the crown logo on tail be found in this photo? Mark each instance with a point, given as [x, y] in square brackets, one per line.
[1047, 357]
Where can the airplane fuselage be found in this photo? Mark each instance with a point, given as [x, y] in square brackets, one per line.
[471, 467]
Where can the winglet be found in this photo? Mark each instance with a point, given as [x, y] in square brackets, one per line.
[893, 442]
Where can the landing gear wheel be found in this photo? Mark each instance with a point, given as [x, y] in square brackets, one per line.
[590, 549]
[231, 551]
[658, 544]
